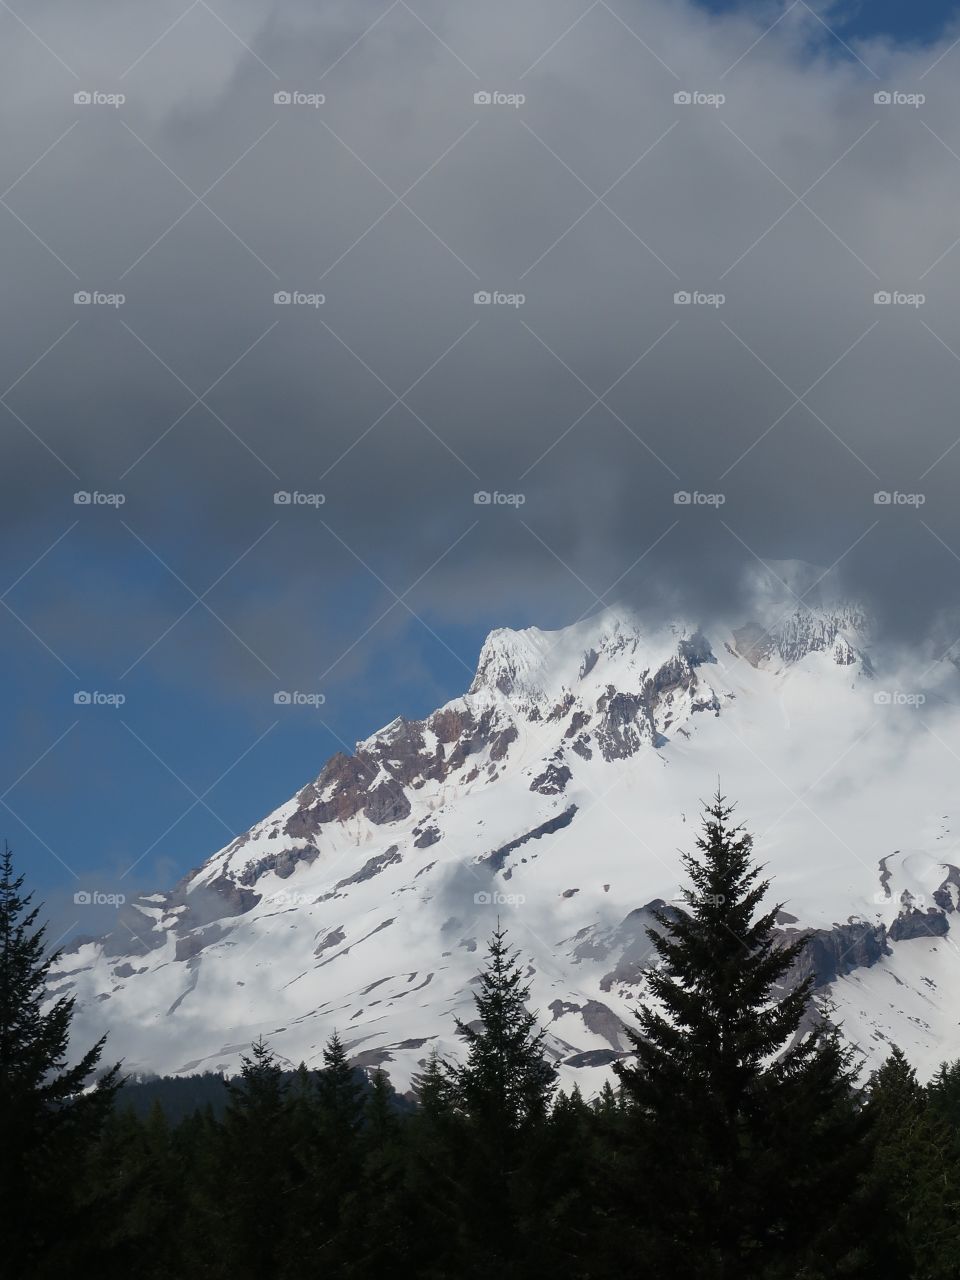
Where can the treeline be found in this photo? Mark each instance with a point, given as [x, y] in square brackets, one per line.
[736, 1142]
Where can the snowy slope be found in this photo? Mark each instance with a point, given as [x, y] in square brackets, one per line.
[558, 793]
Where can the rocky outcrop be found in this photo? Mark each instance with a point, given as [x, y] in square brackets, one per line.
[619, 733]
[830, 953]
[499, 856]
[283, 864]
[805, 631]
[194, 942]
[554, 778]
[372, 867]
[387, 803]
[914, 923]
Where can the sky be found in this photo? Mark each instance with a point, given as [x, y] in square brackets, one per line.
[384, 257]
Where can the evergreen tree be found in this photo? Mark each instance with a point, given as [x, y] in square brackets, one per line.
[732, 1111]
[49, 1114]
[915, 1171]
[333, 1173]
[340, 1097]
[506, 1082]
[255, 1169]
[502, 1095]
[386, 1227]
[435, 1142]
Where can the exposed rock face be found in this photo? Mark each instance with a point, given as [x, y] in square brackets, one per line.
[283, 864]
[553, 779]
[372, 867]
[193, 943]
[619, 734]
[387, 803]
[828, 953]
[803, 632]
[914, 923]
[499, 856]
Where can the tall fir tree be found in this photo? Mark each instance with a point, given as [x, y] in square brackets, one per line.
[506, 1082]
[746, 1135]
[255, 1169]
[50, 1111]
[501, 1094]
[915, 1171]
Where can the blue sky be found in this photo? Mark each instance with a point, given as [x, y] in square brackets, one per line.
[400, 399]
[863, 19]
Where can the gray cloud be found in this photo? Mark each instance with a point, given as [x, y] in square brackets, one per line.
[598, 199]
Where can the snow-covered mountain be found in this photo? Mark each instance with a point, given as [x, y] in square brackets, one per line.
[558, 793]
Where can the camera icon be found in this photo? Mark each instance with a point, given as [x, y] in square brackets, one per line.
[482, 299]
[282, 299]
[282, 498]
[682, 298]
[882, 498]
[882, 698]
[81, 498]
[482, 498]
[82, 299]
[682, 498]
[883, 98]
[282, 98]
[82, 898]
[882, 298]
[682, 98]
[482, 899]
[282, 698]
[482, 99]
[82, 98]
[82, 698]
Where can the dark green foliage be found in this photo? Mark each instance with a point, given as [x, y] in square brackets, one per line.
[178, 1096]
[916, 1169]
[506, 1084]
[726, 1099]
[737, 1145]
[49, 1116]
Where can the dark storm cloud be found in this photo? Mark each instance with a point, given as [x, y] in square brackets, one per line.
[599, 398]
